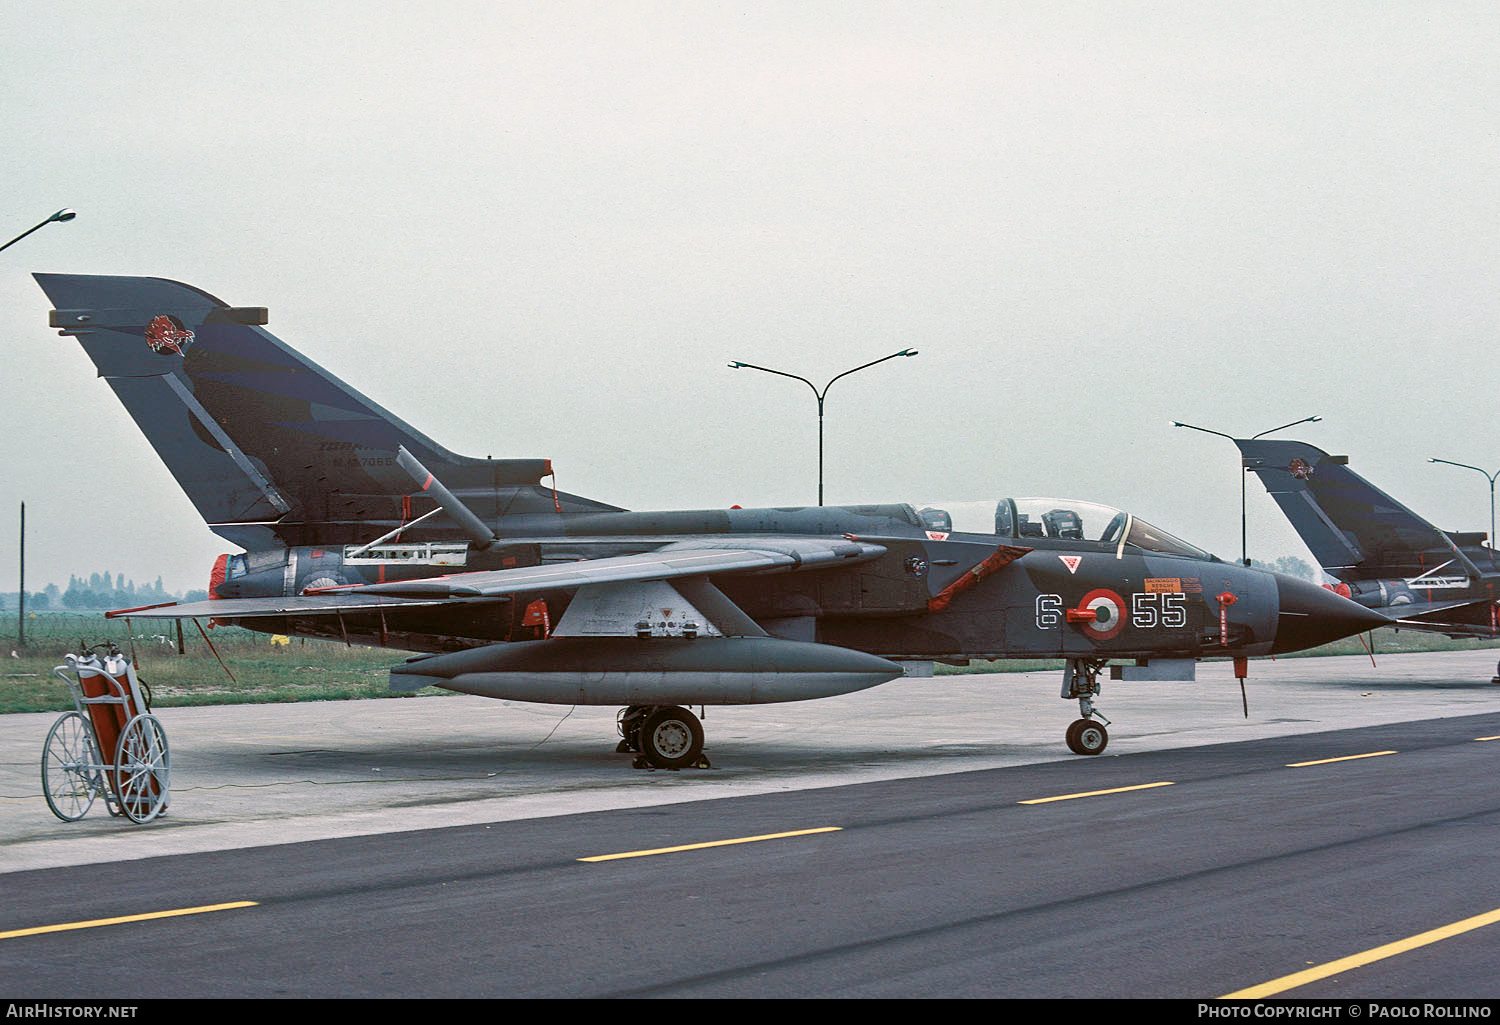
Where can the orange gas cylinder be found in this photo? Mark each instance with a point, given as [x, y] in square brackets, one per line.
[109, 718]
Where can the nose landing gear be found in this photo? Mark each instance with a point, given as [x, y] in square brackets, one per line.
[1086, 736]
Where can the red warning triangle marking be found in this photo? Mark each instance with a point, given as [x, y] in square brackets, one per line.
[1071, 561]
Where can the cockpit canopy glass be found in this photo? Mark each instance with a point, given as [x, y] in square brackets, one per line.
[1063, 519]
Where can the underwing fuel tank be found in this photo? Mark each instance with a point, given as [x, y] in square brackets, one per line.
[649, 671]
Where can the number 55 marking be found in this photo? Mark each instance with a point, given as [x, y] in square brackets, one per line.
[1151, 610]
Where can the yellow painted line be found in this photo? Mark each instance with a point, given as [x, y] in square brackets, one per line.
[96, 923]
[1380, 953]
[712, 843]
[1095, 793]
[1345, 758]
[1487, 738]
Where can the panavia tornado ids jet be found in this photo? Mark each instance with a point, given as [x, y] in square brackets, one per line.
[357, 527]
[1384, 556]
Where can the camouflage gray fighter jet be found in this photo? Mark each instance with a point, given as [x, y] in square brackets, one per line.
[1384, 556]
[355, 526]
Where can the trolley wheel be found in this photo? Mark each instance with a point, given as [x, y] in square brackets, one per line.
[142, 769]
[70, 778]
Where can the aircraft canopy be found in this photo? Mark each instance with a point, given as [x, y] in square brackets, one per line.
[1063, 519]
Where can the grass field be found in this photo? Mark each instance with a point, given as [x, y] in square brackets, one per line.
[263, 669]
[267, 670]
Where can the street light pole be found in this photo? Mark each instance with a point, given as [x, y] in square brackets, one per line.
[1488, 476]
[61, 215]
[1244, 531]
[820, 396]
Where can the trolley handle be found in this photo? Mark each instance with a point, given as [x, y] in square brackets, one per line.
[72, 675]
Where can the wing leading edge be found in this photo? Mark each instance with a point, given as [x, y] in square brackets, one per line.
[697, 558]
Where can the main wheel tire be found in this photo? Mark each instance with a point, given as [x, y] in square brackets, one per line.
[671, 738]
[1087, 737]
[68, 783]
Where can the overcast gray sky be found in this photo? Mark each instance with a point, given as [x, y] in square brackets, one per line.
[544, 229]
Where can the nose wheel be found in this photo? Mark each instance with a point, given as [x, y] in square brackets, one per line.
[1087, 736]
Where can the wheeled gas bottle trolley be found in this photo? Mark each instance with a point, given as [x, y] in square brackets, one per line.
[109, 745]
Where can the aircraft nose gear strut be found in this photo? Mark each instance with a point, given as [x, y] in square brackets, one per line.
[1086, 736]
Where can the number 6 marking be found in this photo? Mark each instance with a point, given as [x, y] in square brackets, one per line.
[1048, 611]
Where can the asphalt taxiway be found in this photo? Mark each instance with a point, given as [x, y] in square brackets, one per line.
[254, 775]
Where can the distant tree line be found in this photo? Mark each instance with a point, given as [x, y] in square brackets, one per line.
[99, 591]
[1291, 566]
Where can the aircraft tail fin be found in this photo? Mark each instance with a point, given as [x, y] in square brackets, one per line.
[1354, 530]
[270, 447]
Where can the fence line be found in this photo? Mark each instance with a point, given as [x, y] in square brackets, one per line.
[61, 632]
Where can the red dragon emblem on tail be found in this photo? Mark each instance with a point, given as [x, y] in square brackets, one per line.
[166, 334]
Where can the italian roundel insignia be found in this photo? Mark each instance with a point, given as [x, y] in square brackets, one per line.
[1108, 610]
[167, 335]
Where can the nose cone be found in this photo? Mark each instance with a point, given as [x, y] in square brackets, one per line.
[1311, 615]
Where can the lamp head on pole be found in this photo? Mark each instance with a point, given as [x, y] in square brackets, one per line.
[64, 214]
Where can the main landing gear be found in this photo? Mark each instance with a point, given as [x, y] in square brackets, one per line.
[662, 736]
[1087, 736]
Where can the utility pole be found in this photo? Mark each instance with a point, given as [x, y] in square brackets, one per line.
[21, 615]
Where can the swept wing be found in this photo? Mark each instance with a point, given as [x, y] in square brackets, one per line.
[698, 557]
